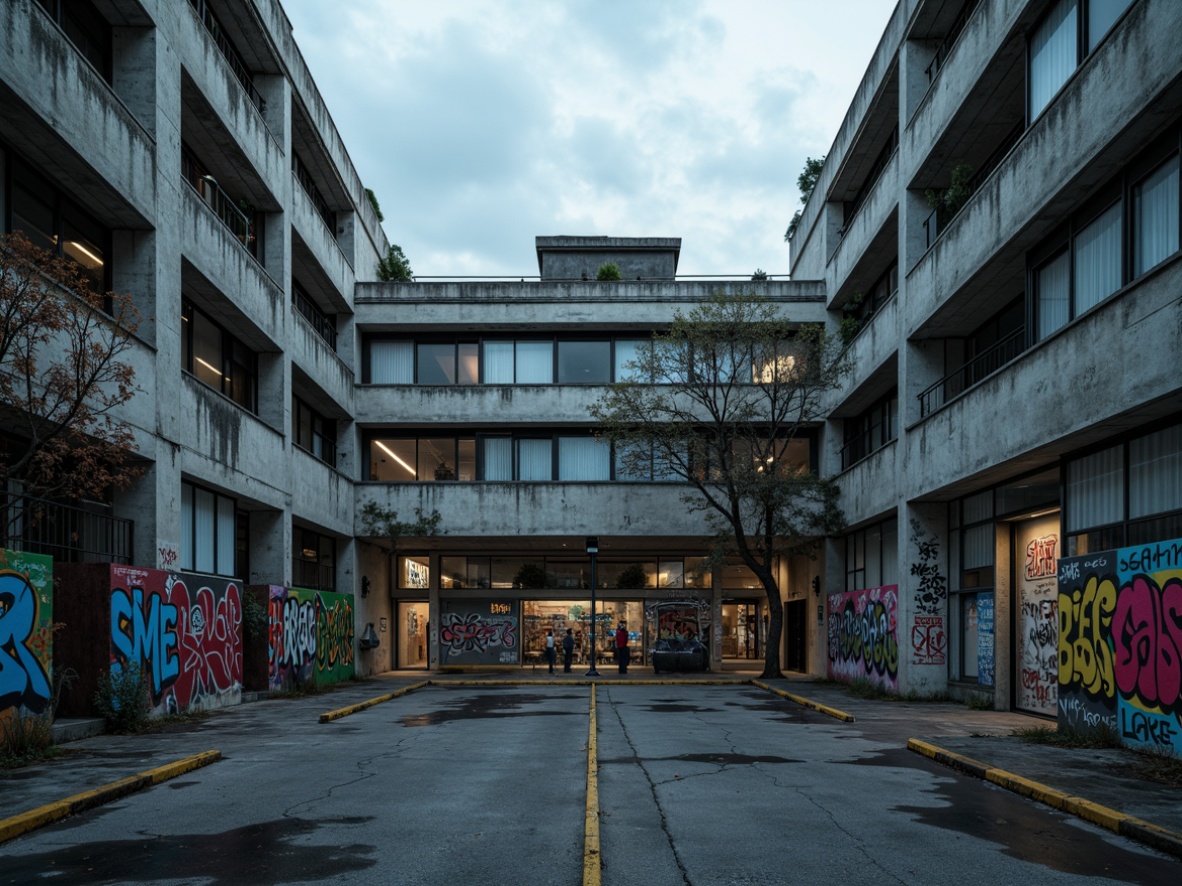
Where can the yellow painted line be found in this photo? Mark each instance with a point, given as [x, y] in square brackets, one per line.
[598, 682]
[49, 813]
[1096, 813]
[807, 703]
[361, 706]
[592, 862]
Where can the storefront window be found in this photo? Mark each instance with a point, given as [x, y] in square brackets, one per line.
[558, 615]
[414, 572]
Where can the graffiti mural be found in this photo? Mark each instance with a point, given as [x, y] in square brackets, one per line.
[310, 637]
[667, 620]
[1120, 643]
[1037, 630]
[985, 639]
[184, 632]
[26, 632]
[479, 632]
[863, 638]
[929, 638]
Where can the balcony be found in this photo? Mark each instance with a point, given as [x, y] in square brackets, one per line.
[320, 493]
[69, 534]
[237, 66]
[978, 369]
[321, 323]
[227, 210]
[529, 404]
[321, 244]
[949, 41]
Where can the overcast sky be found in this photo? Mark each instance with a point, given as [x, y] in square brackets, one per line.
[480, 124]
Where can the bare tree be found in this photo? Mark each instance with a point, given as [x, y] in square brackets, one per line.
[722, 402]
[62, 380]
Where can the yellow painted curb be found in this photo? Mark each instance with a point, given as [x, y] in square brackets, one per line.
[807, 703]
[362, 705]
[592, 861]
[49, 813]
[1118, 822]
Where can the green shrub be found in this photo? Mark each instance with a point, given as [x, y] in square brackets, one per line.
[122, 700]
[608, 271]
[25, 738]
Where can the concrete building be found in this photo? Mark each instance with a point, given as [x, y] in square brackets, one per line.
[997, 222]
[182, 152]
[995, 229]
[487, 386]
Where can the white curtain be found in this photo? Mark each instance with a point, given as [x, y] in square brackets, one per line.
[1095, 490]
[1052, 54]
[498, 362]
[534, 460]
[188, 555]
[1097, 260]
[535, 363]
[627, 351]
[1155, 217]
[498, 459]
[1155, 473]
[203, 525]
[1054, 292]
[583, 458]
[225, 536]
[392, 362]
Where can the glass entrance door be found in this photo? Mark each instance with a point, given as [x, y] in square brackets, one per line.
[743, 630]
[412, 635]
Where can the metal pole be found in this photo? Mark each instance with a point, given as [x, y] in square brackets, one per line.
[593, 672]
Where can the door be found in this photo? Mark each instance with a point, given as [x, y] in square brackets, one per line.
[743, 632]
[1036, 615]
[412, 632]
[795, 613]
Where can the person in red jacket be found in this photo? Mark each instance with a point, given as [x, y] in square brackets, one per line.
[623, 653]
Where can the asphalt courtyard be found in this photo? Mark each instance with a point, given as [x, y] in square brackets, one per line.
[559, 782]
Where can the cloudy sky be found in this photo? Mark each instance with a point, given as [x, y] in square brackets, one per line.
[480, 124]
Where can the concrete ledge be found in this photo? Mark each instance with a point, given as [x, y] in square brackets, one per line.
[807, 703]
[49, 813]
[76, 729]
[1118, 822]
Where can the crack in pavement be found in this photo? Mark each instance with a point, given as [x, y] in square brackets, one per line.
[360, 764]
[652, 786]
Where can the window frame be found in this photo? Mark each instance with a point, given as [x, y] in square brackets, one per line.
[239, 362]
[189, 553]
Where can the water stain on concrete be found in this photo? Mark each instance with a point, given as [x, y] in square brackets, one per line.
[490, 706]
[262, 854]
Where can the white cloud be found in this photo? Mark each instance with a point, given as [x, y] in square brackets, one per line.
[483, 123]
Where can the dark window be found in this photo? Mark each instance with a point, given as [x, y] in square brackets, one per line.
[304, 177]
[218, 359]
[871, 556]
[314, 559]
[86, 28]
[53, 222]
[870, 431]
[584, 362]
[324, 324]
[314, 433]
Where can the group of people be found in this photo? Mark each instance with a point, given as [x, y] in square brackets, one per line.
[623, 651]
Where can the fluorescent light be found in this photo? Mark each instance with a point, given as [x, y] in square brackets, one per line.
[208, 366]
[94, 258]
[390, 452]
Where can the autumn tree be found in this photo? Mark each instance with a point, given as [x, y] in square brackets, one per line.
[62, 381]
[722, 402]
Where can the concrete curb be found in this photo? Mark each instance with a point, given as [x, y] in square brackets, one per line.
[1118, 822]
[51, 812]
[362, 705]
[807, 703]
[592, 860]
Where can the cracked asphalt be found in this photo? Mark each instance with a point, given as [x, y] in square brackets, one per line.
[485, 785]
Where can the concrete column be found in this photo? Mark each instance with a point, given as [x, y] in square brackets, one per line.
[153, 501]
[270, 548]
[832, 582]
[914, 58]
[923, 595]
[133, 72]
[1003, 607]
[434, 612]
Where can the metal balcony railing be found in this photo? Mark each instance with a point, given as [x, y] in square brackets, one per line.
[233, 58]
[866, 443]
[979, 368]
[304, 177]
[323, 324]
[949, 41]
[68, 533]
[222, 204]
[312, 575]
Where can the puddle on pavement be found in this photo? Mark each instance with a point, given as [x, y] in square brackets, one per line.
[491, 706]
[1024, 830]
[260, 854]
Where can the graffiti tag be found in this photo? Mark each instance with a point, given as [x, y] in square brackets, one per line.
[23, 678]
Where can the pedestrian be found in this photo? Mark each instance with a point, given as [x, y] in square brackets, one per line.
[568, 650]
[623, 653]
[550, 649]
